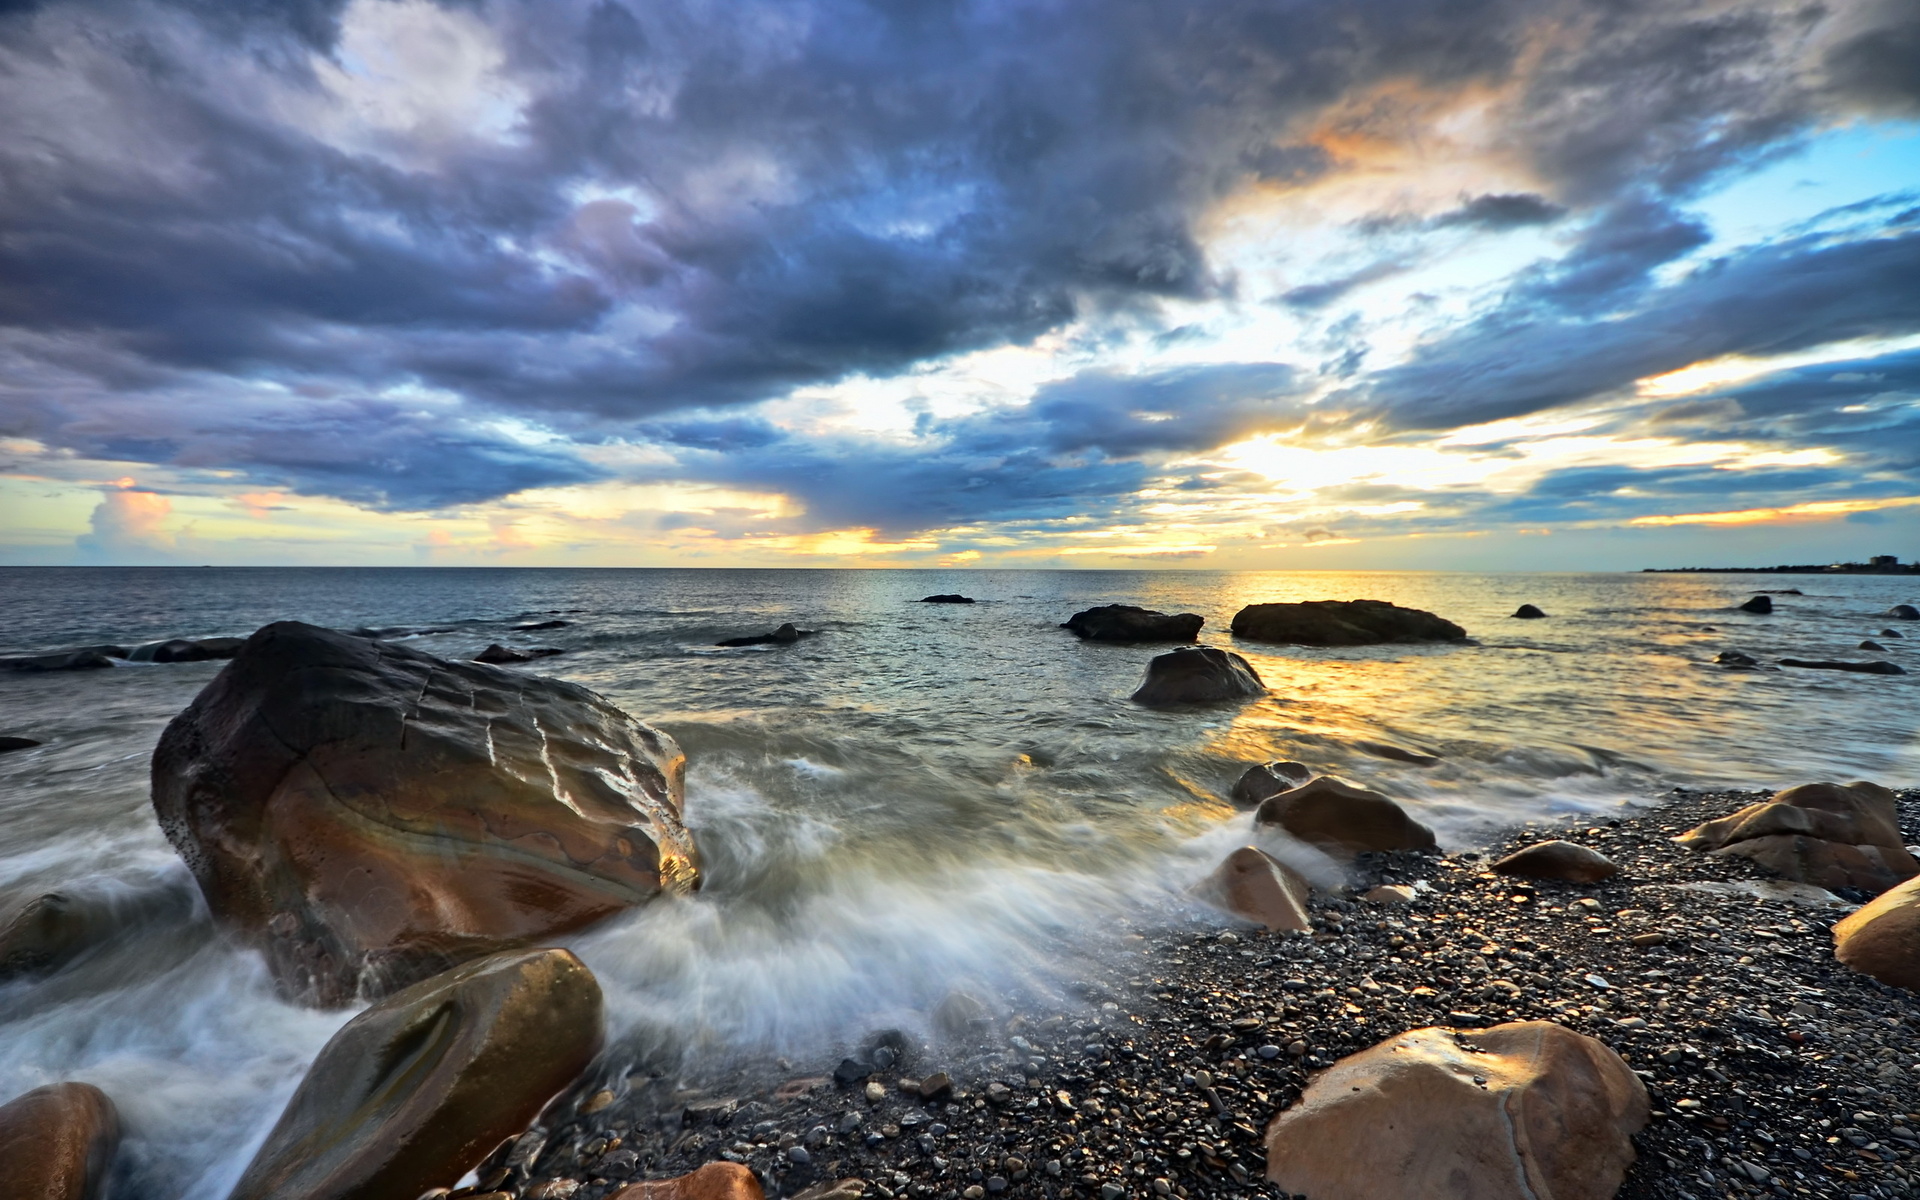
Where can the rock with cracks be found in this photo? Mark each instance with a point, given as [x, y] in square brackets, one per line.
[1198, 675]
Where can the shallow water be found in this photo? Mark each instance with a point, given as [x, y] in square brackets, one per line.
[922, 797]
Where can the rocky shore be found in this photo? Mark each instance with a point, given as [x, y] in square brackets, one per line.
[1772, 1069]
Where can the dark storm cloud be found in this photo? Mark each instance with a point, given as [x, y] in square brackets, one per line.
[1320, 295]
[1512, 210]
[1878, 65]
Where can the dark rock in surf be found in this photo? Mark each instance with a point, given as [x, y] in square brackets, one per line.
[1342, 623]
[1418, 758]
[537, 625]
[1760, 605]
[186, 650]
[1876, 667]
[417, 1090]
[45, 932]
[1566, 862]
[1198, 675]
[1904, 612]
[1527, 612]
[1891, 633]
[1131, 623]
[500, 655]
[786, 635]
[947, 598]
[17, 743]
[87, 658]
[1782, 592]
[1267, 779]
[369, 814]
[1733, 658]
[1870, 644]
[57, 1143]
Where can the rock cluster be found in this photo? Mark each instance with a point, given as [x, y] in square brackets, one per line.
[1341, 623]
[1827, 834]
[1130, 623]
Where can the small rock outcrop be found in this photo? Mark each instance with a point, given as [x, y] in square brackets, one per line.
[1130, 623]
[57, 1143]
[186, 650]
[1870, 644]
[1892, 633]
[418, 1089]
[786, 635]
[1567, 862]
[87, 658]
[715, 1181]
[534, 626]
[1904, 612]
[1759, 604]
[1344, 820]
[16, 743]
[947, 598]
[1527, 612]
[500, 655]
[1827, 834]
[1263, 780]
[1342, 623]
[1522, 1111]
[1198, 675]
[1252, 884]
[1734, 658]
[1877, 667]
[369, 814]
[1417, 758]
[1882, 939]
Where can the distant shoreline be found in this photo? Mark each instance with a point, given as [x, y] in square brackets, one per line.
[1850, 569]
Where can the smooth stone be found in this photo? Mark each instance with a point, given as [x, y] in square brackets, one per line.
[1390, 893]
[1520, 1111]
[1198, 675]
[1253, 884]
[1342, 623]
[1876, 667]
[715, 1181]
[947, 598]
[1264, 780]
[1759, 604]
[49, 930]
[1892, 633]
[1882, 939]
[1527, 612]
[418, 1089]
[57, 1143]
[1870, 644]
[1859, 813]
[786, 635]
[17, 743]
[1418, 758]
[1904, 612]
[1828, 864]
[369, 814]
[1131, 623]
[960, 1014]
[1343, 819]
[1733, 658]
[1567, 862]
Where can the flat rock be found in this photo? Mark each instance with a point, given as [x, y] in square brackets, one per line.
[185, 650]
[1418, 758]
[1252, 884]
[1828, 864]
[1390, 893]
[1343, 819]
[1876, 667]
[1130, 623]
[1567, 862]
[1527, 612]
[1778, 891]
[1264, 780]
[369, 814]
[1759, 604]
[1341, 623]
[501, 655]
[1859, 813]
[1198, 675]
[786, 635]
[947, 598]
[418, 1089]
[1524, 1111]
[88, 658]
[715, 1181]
[57, 1143]
[1883, 938]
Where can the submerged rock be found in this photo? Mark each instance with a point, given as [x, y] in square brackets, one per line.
[1892, 633]
[17, 743]
[418, 1089]
[87, 658]
[1522, 1111]
[46, 931]
[369, 814]
[715, 1181]
[1267, 779]
[1904, 612]
[1877, 667]
[1253, 884]
[947, 598]
[500, 655]
[185, 650]
[1198, 675]
[1883, 938]
[533, 626]
[1759, 604]
[1418, 758]
[1827, 834]
[57, 1143]
[1527, 612]
[1342, 623]
[1568, 862]
[1870, 644]
[1733, 658]
[786, 635]
[1344, 820]
[1130, 623]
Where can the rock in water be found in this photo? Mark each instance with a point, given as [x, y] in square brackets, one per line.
[1524, 1111]
[1268, 779]
[1827, 834]
[1198, 675]
[1527, 612]
[370, 814]
[1344, 820]
[1342, 623]
[1253, 884]
[91, 658]
[1877, 667]
[1564, 861]
[1759, 604]
[1904, 612]
[1870, 644]
[1418, 758]
[786, 635]
[1129, 623]
[417, 1090]
[500, 655]
[1883, 938]
[57, 1143]
[185, 650]
[16, 743]
[1892, 633]
[1733, 658]
[715, 1181]
[947, 598]
[45, 932]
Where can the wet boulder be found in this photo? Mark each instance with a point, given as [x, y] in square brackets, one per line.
[17, 743]
[1130, 623]
[1904, 612]
[715, 1181]
[1734, 658]
[1522, 1111]
[1344, 820]
[1882, 939]
[418, 1089]
[1266, 779]
[786, 635]
[1567, 862]
[501, 655]
[1342, 623]
[47, 931]
[1877, 667]
[1892, 633]
[369, 814]
[57, 1143]
[1527, 612]
[947, 598]
[87, 658]
[1870, 644]
[533, 626]
[1827, 834]
[1198, 675]
[1254, 885]
[186, 650]
[1761, 605]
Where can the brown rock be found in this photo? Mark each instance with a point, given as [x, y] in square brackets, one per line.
[1828, 864]
[1253, 884]
[418, 1089]
[1883, 938]
[715, 1181]
[1524, 1111]
[1342, 623]
[370, 814]
[1343, 819]
[1827, 834]
[1564, 861]
[1198, 675]
[57, 1143]
[1267, 779]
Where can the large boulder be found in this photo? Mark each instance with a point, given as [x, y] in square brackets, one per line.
[414, 1092]
[1882, 939]
[1344, 820]
[1253, 884]
[1524, 1111]
[1827, 834]
[715, 1181]
[1566, 862]
[370, 814]
[1198, 675]
[1341, 623]
[1264, 780]
[1759, 604]
[1904, 612]
[48, 930]
[1129, 623]
[57, 1143]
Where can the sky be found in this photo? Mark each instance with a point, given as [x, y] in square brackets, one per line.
[1247, 284]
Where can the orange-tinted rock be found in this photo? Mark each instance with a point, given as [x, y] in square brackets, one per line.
[1263, 780]
[57, 1143]
[1524, 1111]
[1253, 884]
[1827, 834]
[1882, 939]
[1828, 864]
[715, 1181]
[1343, 819]
[1564, 861]
[418, 1089]
[1342, 623]
[1392, 894]
[370, 814]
